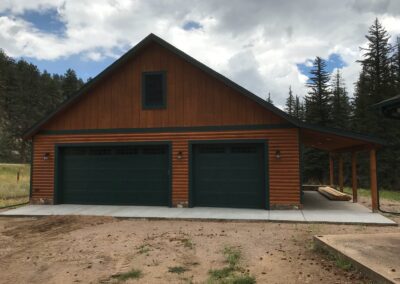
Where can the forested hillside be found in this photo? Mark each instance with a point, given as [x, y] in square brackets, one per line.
[27, 95]
[328, 103]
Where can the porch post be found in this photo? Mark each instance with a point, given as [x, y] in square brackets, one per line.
[341, 172]
[354, 175]
[331, 170]
[373, 180]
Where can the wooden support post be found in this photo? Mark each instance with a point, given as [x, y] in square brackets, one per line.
[373, 180]
[331, 170]
[354, 175]
[341, 173]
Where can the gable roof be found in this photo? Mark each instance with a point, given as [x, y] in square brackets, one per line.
[152, 38]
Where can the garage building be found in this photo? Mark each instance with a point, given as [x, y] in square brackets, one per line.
[159, 128]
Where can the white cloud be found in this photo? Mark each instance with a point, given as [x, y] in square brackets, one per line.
[255, 43]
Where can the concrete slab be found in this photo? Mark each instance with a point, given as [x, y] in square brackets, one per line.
[316, 209]
[377, 255]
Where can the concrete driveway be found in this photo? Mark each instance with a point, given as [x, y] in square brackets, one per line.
[316, 209]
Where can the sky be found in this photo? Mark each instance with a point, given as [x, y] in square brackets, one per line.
[265, 46]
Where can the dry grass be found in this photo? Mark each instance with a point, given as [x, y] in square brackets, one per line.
[13, 191]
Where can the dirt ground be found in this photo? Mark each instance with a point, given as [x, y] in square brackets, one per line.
[91, 249]
[385, 204]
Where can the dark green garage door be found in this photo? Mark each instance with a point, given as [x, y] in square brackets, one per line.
[134, 175]
[229, 176]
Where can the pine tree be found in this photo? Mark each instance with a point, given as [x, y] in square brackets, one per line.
[396, 66]
[377, 81]
[376, 63]
[70, 84]
[318, 107]
[298, 108]
[290, 103]
[341, 109]
[269, 100]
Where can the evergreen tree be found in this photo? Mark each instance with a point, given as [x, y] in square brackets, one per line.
[70, 84]
[298, 108]
[377, 81]
[318, 107]
[340, 102]
[396, 66]
[290, 103]
[269, 100]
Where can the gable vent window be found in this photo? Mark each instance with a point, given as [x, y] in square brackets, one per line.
[154, 93]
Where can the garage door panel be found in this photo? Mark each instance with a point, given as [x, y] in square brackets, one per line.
[229, 176]
[136, 175]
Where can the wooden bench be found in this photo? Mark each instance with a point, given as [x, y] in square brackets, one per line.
[333, 194]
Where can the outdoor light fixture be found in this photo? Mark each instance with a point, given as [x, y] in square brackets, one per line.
[179, 156]
[46, 156]
[278, 154]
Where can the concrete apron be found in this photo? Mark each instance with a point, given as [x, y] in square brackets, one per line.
[375, 255]
[204, 213]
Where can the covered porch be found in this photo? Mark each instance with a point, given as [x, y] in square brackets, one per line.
[339, 143]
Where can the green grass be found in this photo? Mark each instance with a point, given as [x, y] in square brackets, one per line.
[385, 194]
[233, 273]
[142, 249]
[187, 243]
[232, 256]
[13, 191]
[339, 261]
[343, 263]
[132, 274]
[177, 269]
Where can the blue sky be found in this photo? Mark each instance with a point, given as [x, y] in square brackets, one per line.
[332, 62]
[264, 46]
[48, 21]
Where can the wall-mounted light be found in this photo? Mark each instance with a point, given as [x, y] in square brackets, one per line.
[46, 156]
[278, 154]
[180, 155]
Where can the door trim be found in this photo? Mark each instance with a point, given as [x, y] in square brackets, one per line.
[59, 146]
[264, 142]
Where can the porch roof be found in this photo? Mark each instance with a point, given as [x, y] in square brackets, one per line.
[336, 140]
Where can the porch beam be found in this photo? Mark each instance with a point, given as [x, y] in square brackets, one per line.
[331, 181]
[354, 175]
[341, 173]
[357, 148]
[373, 180]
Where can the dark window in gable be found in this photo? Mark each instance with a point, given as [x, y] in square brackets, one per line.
[154, 94]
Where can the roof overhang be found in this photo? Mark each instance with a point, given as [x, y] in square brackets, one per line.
[390, 107]
[337, 140]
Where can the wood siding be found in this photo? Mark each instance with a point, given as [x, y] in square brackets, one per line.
[194, 98]
[283, 176]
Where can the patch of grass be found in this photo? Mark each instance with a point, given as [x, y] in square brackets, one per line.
[343, 263]
[233, 273]
[383, 193]
[187, 243]
[11, 189]
[221, 273]
[339, 261]
[13, 201]
[143, 249]
[232, 256]
[177, 269]
[132, 274]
